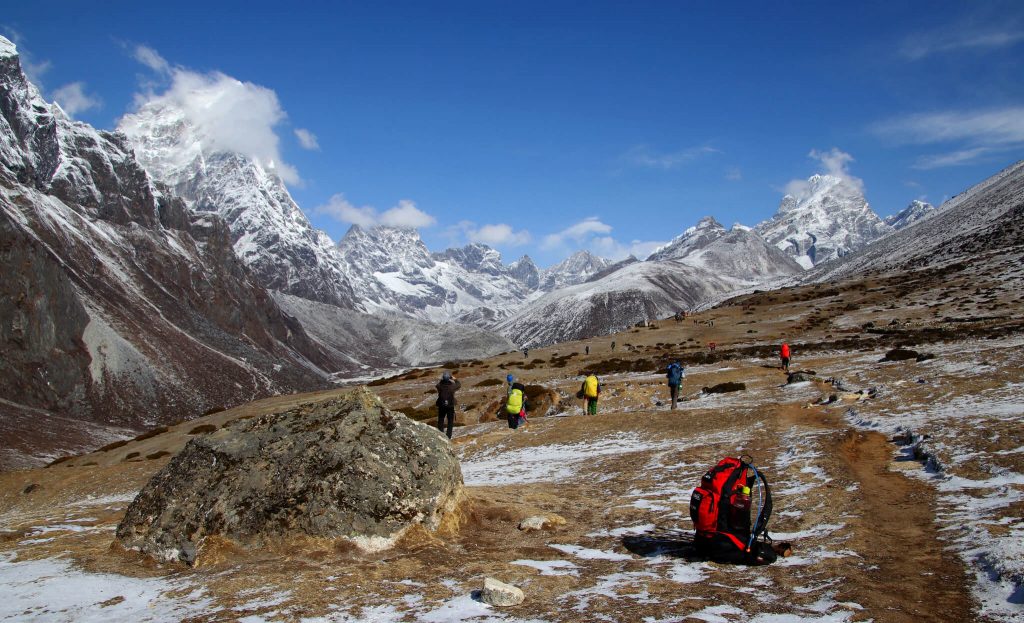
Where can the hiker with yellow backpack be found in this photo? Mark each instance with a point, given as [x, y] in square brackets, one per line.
[589, 392]
[515, 403]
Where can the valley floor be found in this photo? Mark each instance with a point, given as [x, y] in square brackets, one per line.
[878, 533]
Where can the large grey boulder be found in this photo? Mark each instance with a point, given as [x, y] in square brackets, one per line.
[346, 468]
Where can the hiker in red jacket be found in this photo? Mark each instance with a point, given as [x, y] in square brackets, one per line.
[785, 356]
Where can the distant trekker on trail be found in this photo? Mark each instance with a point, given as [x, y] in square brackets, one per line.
[589, 391]
[613, 346]
[784, 355]
[515, 403]
[446, 389]
[675, 374]
[587, 348]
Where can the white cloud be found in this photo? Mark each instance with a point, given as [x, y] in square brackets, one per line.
[1001, 126]
[951, 159]
[836, 163]
[498, 234]
[594, 235]
[307, 139]
[733, 174]
[610, 248]
[971, 134]
[73, 99]
[151, 58]
[227, 114]
[644, 156]
[959, 38]
[341, 209]
[405, 214]
[576, 232]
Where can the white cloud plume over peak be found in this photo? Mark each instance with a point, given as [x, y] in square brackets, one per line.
[307, 139]
[836, 163]
[404, 214]
[960, 38]
[225, 114]
[152, 59]
[644, 156]
[73, 99]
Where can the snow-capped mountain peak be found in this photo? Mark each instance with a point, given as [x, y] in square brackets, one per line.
[575, 269]
[826, 218]
[914, 212]
[269, 231]
[706, 231]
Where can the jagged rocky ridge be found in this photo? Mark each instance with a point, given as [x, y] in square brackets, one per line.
[123, 308]
[116, 295]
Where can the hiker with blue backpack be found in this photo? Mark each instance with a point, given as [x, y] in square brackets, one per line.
[446, 389]
[675, 374]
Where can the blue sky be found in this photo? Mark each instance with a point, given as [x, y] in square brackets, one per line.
[546, 127]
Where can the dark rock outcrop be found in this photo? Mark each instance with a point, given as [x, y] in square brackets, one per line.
[724, 388]
[800, 376]
[900, 354]
[347, 468]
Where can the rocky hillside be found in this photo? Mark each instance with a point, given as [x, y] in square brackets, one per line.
[116, 294]
[637, 292]
[703, 265]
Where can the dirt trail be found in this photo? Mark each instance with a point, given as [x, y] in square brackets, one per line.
[909, 576]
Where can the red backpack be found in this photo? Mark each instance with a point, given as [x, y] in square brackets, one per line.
[722, 513]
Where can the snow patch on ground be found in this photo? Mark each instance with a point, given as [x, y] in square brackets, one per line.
[52, 590]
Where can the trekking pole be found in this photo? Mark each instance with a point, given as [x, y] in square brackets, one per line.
[760, 503]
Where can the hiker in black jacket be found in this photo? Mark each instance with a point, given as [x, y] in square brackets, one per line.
[446, 389]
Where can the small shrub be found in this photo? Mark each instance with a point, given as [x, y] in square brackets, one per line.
[130, 456]
[152, 433]
[202, 428]
[157, 455]
[113, 446]
[488, 383]
[60, 460]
